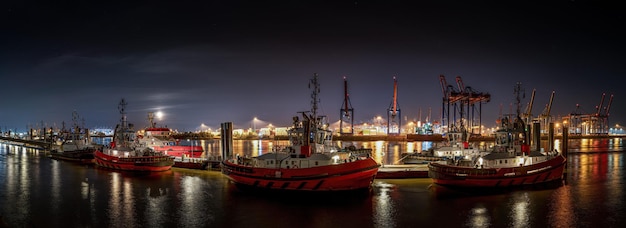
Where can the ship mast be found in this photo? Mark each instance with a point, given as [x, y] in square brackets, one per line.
[151, 119]
[124, 128]
[75, 131]
[517, 90]
[314, 97]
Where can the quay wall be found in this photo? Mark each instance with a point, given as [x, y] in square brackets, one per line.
[24, 142]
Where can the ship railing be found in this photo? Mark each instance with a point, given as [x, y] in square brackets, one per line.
[147, 159]
[463, 171]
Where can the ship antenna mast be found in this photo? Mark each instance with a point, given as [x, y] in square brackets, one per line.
[517, 90]
[151, 119]
[122, 108]
[314, 96]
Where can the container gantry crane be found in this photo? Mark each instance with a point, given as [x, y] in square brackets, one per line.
[346, 113]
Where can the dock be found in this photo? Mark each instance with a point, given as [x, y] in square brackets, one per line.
[402, 171]
[37, 144]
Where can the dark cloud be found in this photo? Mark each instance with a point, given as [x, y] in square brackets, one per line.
[216, 61]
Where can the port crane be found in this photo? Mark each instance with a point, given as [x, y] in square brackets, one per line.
[592, 123]
[394, 120]
[346, 113]
[462, 100]
[545, 117]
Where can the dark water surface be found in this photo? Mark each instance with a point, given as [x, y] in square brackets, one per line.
[36, 191]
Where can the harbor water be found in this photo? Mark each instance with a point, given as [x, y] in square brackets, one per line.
[36, 191]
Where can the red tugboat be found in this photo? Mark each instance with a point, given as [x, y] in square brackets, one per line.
[510, 163]
[160, 139]
[309, 163]
[126, 153]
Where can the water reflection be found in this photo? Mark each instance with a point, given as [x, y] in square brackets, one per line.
[192, 211]
[36, 191]
[384, 208]
[121, 201]
[595, 145]
[521, 210]
[55, 190]
[479, 217]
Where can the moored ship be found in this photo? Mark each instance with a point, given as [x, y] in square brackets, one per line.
[456, 147]
[509, 163]
[160, 139]
[74, 144]
[127, 153]
[309, 163]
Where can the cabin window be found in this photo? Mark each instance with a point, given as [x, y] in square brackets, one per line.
[500, 161]
[267, 162]
[271, 161]
[506, 161]
[315, 163]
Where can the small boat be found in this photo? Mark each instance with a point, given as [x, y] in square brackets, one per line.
[509, 163]
[402, 171]
[456, 147]
[127, 153]
[309, 163]
[212, 163]
[74, 144]
[161, 139]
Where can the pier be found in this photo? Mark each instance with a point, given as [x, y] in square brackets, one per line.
[37, 144]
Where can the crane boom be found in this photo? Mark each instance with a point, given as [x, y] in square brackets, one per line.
[600, 106]
[345, 95]
[608, 106]
[550, 104]
[459, 83]
[444, 85]
[529, 109]
[395, 96]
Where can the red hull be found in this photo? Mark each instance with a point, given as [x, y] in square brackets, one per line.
[448, 175]
[144, 164]
[179, 151]
[346, 176]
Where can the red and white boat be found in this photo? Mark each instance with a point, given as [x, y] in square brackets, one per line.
[126, 153]
[161, 139]
[510, 163]
[309, 163]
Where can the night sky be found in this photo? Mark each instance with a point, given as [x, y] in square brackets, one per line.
[217, 61]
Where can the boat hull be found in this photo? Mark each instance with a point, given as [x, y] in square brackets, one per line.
[141, 164]
[81, 156]
[341, 177]
[455, 176]
[415, 159]
[191, 165]
[402, 171]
